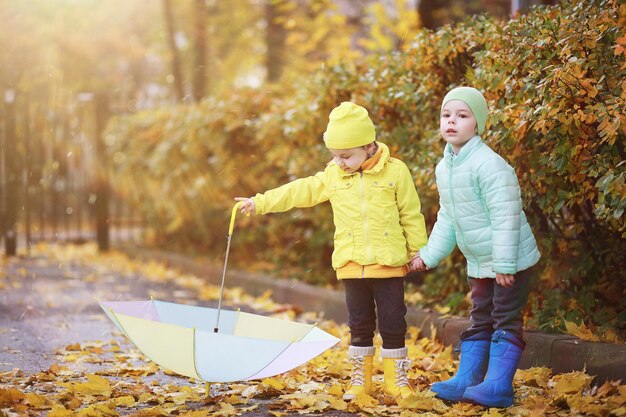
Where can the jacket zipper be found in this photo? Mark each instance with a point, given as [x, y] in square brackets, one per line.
[365, 225]
[455, 216]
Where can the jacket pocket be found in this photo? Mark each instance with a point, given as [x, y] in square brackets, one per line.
[395, 248]
[384, 199]
[344, 247]
[341, 194]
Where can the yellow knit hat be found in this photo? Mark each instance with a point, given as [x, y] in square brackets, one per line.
[349, 126]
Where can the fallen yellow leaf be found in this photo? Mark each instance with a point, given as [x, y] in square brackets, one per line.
[274, 383]
[151, 412]
[581, 331]
[73, 347]
[95, 385]
[10, 396]
[97, 410]
[365, 401]
[226, 410]
[196, 413]
[36, 400]
[338, 404]
[336, 390]
[534, 377]
[619, 412]
[125, 401]
[572, 383]
[59, 411]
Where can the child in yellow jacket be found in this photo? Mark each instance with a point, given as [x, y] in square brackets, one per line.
[379, 228]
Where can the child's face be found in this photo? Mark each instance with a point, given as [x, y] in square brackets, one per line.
[350, 160]
[457, 124]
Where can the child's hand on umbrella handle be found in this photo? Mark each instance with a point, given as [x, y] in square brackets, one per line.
[247, 206]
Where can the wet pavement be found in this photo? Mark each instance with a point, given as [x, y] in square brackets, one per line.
[49, 304]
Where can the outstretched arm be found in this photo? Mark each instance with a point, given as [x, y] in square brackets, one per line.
[303, 192]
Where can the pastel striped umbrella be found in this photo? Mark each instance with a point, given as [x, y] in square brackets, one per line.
[217, 345]
[181, 338]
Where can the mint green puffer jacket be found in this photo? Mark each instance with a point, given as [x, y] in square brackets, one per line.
[480, 210]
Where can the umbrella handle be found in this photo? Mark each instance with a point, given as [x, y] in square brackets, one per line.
[233, 214]
[232, 217]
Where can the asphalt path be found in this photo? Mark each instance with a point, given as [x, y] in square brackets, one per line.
[47, 305]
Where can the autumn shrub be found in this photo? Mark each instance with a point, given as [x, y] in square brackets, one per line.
[554, 80]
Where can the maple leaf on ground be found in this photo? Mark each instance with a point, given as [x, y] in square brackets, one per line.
[572, 382]
[195, 413]
[365, 401]
[97, 410]
[59, 411]
[58, 370]
[124, 401]
[95, 385]
[10, 396]
[581, 331]
[494, 412]
[73, 347]
[37, 401]
[536, 377]
[274, 383]
[586, 405]
[422, 400]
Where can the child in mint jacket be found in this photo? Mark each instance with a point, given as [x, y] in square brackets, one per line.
[480, 210]
[378, 229]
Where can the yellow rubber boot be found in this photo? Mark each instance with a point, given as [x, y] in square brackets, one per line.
[395, 368]
[362, 360]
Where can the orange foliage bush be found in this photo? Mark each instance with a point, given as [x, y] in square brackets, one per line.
[554, 80]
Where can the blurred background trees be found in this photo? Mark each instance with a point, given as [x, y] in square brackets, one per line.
[147, 53]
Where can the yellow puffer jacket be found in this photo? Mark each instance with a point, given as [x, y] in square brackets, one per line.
[377, 212]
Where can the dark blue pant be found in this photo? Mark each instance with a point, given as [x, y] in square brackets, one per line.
[370, 298]
[495, 307]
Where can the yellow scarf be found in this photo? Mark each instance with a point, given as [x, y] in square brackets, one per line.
[373, 160]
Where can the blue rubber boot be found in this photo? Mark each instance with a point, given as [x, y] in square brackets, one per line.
[472, 369]
[497, 388]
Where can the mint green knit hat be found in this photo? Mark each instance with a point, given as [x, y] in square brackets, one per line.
[474, 100]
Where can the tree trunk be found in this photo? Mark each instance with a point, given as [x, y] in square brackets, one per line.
[102, 178]
[275, 41]
[171, 40]
[199, 34]
[12, 196]
[425, 9]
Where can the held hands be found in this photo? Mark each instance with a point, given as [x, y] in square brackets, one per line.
[417, 264]
[247, 206]
[505, 280]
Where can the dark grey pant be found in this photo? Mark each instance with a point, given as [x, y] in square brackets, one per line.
[370, 298]
[498, 308]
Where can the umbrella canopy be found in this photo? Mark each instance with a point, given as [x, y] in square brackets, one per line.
[182, 339]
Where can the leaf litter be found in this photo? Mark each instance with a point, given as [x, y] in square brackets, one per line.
[127, 383]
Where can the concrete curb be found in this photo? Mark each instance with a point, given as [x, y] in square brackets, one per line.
[561, 353]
